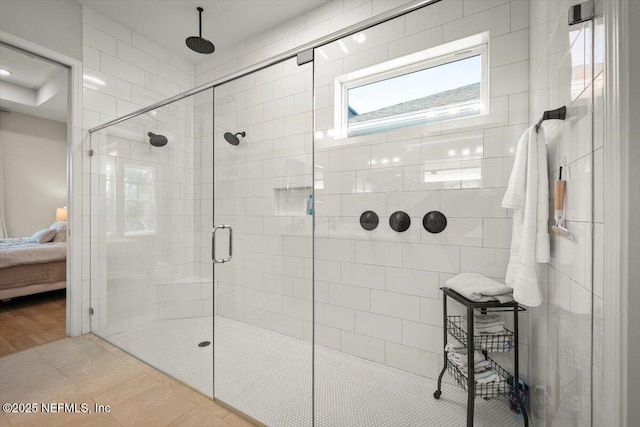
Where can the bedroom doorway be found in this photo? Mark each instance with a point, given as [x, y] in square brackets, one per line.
[34, 196]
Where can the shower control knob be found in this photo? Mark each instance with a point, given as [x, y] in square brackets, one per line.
[399, 221]
[434, 222]
[369, 220]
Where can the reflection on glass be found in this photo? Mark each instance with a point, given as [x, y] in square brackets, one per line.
[130, 202]
[139, 200]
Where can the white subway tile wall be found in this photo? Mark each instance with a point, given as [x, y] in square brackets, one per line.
[261, 187]
[567, 68]
[389, 281]
[368, 284]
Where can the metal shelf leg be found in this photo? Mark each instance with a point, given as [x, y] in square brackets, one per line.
[471, 381]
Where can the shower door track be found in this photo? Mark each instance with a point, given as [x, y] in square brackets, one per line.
[350, 30]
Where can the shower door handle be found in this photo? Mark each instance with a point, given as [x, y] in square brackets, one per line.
[213, 244]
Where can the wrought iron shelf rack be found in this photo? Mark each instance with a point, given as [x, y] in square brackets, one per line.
[495, 343]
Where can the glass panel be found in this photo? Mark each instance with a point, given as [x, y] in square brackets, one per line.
[150, 293]
[263, 193]
[378, 309]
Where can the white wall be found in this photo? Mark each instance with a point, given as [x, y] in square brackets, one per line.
[333, 16]
[268, 283]
[377, 292]
[54, 24]
[565, 72]
[33, 154]
[633, 215]
[384, 284]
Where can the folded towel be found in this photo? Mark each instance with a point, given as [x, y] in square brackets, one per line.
[481, 374]
[483, 377]
[488, 325]
[489, 329]
[528, 195]
[450, 348]
[483, 365]
[478, 368]
[487, 318]
[481, 320]
[489, 378]
[476, 287]
[491, 389]
[462, 359]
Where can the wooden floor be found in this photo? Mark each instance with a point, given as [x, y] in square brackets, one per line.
[117, 389]
[30, 321]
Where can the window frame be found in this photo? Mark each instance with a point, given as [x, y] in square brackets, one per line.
[423, 60]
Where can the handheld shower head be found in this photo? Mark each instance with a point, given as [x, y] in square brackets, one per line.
[157, 140]
[233, 138]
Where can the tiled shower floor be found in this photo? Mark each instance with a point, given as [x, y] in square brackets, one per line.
[268, 376]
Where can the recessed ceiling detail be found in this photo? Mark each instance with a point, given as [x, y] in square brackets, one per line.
[33, 86]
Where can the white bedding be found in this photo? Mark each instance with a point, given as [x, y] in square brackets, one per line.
[19, 251]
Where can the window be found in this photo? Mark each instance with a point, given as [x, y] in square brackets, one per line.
[443, 83]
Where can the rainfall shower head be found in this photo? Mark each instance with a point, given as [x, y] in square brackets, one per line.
[157, 140]
[233, 138]
[198, 43]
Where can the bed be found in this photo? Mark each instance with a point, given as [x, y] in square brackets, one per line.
[28, 267]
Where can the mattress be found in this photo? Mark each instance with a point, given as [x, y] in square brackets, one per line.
[28, 274]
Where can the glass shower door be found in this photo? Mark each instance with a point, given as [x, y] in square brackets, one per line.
[262, 244]
[148, 294]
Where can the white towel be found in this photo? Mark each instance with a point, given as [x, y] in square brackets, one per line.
[490, 378]
[479, 367]
[476, 287]
[487, 318]
[450, 348]
[462, 359]
[495, 329]
[528, 195]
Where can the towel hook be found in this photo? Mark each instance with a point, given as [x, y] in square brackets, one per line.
[557, 114]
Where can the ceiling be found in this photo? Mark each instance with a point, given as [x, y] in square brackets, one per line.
[35, 86]
[224, 22]
[39, 88]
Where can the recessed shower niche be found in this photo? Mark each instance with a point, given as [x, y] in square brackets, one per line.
[293, 201]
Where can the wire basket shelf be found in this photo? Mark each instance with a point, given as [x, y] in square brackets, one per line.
[485, 390]
[492, 343]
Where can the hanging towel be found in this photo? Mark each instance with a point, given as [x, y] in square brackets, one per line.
[528, 195]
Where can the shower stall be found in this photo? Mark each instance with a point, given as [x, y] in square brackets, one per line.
[232, 256]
